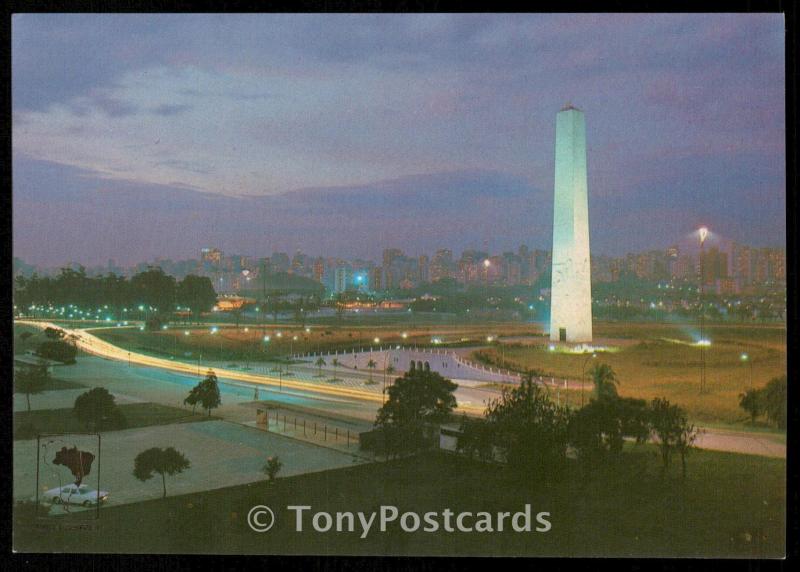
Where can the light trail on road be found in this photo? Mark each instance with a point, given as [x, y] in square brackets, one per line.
[93, 345]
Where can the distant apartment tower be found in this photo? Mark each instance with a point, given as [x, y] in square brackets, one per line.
[280, 262]
[441, 265]
[211, 255]
[342, 279]
[423, 268]
[376, 279]
[319, 269]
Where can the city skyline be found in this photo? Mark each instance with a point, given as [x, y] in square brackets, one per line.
[352, 133]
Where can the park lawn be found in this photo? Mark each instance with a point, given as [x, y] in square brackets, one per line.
[660, 362]
[729, 506]
[55, 384]
[231, 343]
[136, 415]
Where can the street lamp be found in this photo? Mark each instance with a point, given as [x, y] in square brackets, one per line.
[583, 373]
[746, 359]
[703, 234]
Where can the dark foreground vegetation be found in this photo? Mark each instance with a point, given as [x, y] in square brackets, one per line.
[728, 505]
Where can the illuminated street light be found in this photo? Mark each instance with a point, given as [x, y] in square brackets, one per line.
[551, 347]
[186, 332]
[404, 335]
[487, 263]
[266, 338]
[746, 359]
[377, 340]
[703, 232]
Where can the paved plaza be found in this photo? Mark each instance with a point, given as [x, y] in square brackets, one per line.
[221, 453]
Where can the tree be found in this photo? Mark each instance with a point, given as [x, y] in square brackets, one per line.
[57, 350]
[97, 409]
[776, 401]
[475, 440]
[53, 333]
[415, 401]
[527, 430]
[672, 431]
[752, 402]
[205, 393]
[335, 363]
[161, 461]
[371, 365]
[194, 397]
[196, 293]
[155, 288]
[605, 381]
[31, 382]
[320, 363]
[272, 467]
[597, 431]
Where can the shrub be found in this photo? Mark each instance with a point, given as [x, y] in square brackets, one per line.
[57, 351]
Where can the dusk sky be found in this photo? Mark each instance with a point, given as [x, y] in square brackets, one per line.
[139, 136]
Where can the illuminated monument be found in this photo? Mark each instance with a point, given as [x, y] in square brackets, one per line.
[571, 292]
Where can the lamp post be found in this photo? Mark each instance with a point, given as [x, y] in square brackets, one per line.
[703, 232]
[746, 358]
[583, 373]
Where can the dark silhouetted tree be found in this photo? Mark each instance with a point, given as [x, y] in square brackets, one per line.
[96, 409]
[752, 401]
[776, 401]
[159, 461]
[31, 381]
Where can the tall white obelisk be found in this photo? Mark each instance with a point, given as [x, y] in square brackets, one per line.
[571, 292]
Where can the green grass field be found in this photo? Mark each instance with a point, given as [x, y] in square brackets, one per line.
[136, 415]
[656, 360]
[55, 384]
[230, 343]
[729, 506]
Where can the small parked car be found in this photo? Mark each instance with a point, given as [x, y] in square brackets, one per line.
[73, 494]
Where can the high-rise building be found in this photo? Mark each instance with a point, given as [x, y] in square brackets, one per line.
[423, 268]
[211, 255]
[376, 279]
[571, 290]
[342, 279]
[280, 262]
[442, 265]
[319, 269]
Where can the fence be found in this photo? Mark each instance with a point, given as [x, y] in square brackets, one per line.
[305, 429]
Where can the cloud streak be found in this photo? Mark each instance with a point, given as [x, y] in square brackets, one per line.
[683, 112]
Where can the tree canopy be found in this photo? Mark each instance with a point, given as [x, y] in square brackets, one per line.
[205, 394]
[97, 409]
[414, 401]
[159, 461]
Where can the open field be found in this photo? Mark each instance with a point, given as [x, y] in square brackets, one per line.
[136, 415]
[659, 360]
[234, 343]
[56, 384]
[729, 505]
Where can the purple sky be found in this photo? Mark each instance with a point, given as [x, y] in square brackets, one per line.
[137, 136]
